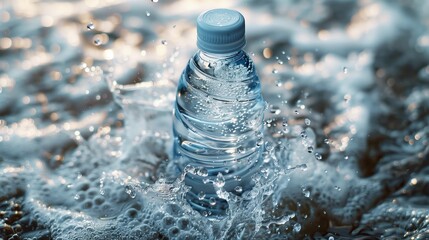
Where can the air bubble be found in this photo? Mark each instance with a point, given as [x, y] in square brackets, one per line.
[306, 192]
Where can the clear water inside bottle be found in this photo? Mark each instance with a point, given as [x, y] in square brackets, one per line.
[218, 126]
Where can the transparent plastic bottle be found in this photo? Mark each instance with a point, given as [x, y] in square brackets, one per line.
[218, 114]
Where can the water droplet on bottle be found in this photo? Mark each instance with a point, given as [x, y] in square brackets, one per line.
[147, 13]
[241, 149]
[345, 70]
[288, 58]
[220, 180]
[238, 189]
[202, 172]
[346, 157]
[154, 1]
[307, 122]
[76, 197]
[90, 26]
[212, 201]
[331, 238]
[237, 178]
[326, 141]
[189, 169]
[164, 42]
[269, 146]
[206, 180]
[337, 188]
[275, 71]
[297, 227]
[201, 195]
[280, 62]
[310, 149]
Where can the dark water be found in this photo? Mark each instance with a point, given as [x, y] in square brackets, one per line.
[85, 98]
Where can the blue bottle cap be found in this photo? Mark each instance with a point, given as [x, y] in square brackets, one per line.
[220, 31]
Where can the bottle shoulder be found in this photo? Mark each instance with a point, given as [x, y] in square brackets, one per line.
[237, 66]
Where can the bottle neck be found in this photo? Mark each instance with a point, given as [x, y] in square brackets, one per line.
[217, 56]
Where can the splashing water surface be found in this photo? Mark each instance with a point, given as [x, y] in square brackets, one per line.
[86, 93]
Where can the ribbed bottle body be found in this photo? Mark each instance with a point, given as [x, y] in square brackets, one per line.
[217, 126]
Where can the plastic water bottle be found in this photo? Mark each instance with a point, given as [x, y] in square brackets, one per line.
[218, 114]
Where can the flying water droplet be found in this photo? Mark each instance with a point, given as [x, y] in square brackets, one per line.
[275, 110]
[97, 42]
[90, 26]
[307, 122]
[306, 192]
[318, 156]
[297, 227]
